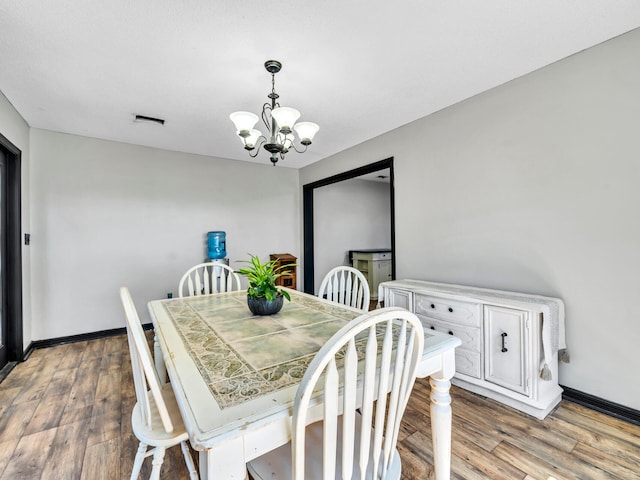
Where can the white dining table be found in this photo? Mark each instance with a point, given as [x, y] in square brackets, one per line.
[235, 375]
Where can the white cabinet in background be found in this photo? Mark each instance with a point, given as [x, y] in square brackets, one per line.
[508, 339]
[375, 265]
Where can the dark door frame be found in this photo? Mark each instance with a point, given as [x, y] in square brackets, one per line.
[307, 209]
[13, 262]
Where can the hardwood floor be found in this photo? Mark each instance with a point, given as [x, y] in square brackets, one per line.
[65, 414]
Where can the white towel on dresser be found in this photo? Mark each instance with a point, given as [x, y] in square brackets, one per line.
[552, 309]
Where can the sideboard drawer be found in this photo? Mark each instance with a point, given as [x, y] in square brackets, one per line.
[468, 363]
[471, 337]
[463, 313]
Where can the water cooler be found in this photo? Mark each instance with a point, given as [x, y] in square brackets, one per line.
[217, 247]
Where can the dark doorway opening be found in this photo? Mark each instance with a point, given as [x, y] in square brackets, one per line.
[307, 207]
[11, 338]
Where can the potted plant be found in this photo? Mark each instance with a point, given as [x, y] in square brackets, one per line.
[264, 297]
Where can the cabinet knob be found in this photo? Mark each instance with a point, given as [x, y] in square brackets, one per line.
[433, 306]
[450, 332]
[432, 327]
[450, 310]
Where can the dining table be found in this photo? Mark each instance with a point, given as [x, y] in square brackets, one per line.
[235, 375]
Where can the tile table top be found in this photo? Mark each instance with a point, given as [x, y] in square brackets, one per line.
[241, 356]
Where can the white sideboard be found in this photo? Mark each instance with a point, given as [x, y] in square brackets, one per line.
[375, 265]
[510, 341]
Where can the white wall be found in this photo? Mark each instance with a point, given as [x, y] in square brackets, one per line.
[349, 215]
[107, 214]
[15, 129]
[533, 187]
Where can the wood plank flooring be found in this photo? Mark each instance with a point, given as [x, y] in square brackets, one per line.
[65, 414]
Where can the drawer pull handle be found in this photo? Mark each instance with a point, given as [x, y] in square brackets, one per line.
[503, 335]
[450, 310]
[433, 306]
[432, 327]
[450, 332]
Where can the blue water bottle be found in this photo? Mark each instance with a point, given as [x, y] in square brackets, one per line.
[216, 245]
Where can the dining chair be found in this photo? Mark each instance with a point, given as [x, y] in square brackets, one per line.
[369, 365]
[346, 285]
[208, 277]
[156, 419]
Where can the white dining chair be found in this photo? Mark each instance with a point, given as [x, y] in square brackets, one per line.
[346, 285]
[206, 278]
[156, 419]
[345, 443]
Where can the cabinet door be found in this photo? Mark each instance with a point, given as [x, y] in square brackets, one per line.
[506, 347]
[399, 298]
[380, 272]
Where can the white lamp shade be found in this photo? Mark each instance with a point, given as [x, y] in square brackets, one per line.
[251, 140]
[306, 130]
[285, 117]
[244, 120]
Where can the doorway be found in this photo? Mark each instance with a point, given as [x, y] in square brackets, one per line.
[308, 216]
[11, 341]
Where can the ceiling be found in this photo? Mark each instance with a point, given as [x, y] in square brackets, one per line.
[356, 68]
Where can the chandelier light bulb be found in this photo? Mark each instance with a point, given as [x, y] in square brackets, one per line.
[250, 138]
[288, 142]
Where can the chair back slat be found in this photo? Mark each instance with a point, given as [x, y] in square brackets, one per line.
[395, 398]
[221, 284]
[206, 288]
[144, 372]
[349, 405]
[391, 341]
[191, 287]
[346, 285]
[367, 400]
[139, 381]
[200, 288]
[330, 427]
[206, 278]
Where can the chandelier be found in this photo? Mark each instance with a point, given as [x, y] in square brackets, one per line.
[279, 121]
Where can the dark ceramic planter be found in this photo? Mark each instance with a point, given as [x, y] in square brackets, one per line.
[262, 306]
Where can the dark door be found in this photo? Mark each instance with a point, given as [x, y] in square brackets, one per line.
[3, 257]
[11, 338]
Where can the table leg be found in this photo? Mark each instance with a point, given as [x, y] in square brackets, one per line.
[224, 461]
[441, 427]
[161, 368]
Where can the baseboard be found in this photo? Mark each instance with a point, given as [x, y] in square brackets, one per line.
[600, 405]
[27, 352]
[52, 342]
[6, 370]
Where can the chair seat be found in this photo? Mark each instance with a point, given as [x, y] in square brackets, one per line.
[157, 436]
[276, 464]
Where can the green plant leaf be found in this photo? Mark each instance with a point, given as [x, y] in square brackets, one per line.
[262, 278]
